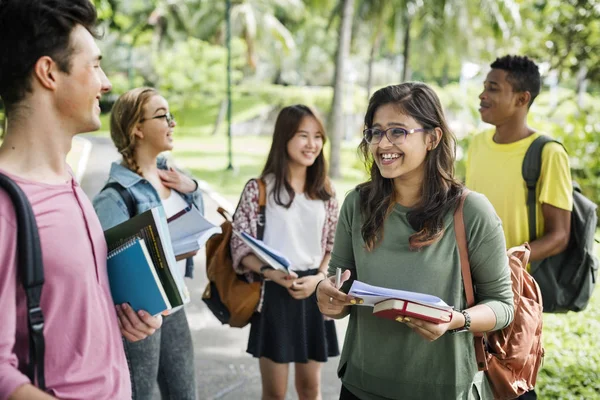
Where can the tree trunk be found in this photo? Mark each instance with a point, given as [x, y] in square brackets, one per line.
[374, 47]
[336, 116]
[406, 51]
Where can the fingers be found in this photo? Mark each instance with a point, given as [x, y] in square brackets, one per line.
[153, 322]
[424, 329]
[139, 327]
[345, 276]
[327, 290]
[292, 275]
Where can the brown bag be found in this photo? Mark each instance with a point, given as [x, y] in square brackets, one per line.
[228, 295]
[511, 356]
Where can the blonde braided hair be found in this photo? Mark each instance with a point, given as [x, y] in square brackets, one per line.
[126, 113]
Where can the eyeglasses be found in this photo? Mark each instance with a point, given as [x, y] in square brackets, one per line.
[394, 135]
[168, 117]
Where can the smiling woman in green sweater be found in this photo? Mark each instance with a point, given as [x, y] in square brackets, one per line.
[396, 231]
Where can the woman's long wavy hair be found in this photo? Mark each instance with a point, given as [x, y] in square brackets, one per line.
[126, 113]
[317, 183]
[440, 191]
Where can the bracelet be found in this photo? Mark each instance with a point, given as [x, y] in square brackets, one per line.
[317, 288]
[467, 325]
[322, 273]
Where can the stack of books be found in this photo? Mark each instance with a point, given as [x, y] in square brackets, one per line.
[392, 303]
[142, 266]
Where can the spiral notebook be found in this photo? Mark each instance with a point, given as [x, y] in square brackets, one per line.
[151, 225]
[133, 278]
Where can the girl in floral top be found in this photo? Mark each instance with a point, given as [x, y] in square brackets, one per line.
[301, 217]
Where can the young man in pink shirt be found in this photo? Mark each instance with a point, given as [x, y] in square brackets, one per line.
[51, 82]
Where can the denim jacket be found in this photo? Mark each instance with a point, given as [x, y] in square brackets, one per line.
[111, 208]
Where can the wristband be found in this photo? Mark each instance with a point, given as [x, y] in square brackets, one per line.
[317, 288]
[467, 325]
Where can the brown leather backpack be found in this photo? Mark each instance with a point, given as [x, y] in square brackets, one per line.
[511, 356]
[228, 295]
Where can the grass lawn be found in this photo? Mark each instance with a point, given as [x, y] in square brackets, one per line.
[206, 157]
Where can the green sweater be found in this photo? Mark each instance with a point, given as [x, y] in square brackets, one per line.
[384, 359]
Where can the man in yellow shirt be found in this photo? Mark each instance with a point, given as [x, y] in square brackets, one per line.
[494, 162]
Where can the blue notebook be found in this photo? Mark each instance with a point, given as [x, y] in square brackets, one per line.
[266, 253]
[134, 280]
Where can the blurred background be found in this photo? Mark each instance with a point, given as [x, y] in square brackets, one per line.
[227, 67]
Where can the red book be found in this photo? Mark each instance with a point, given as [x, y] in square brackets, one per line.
[394, 308]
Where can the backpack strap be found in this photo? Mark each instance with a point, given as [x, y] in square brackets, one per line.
[31, 272]
[530, 170]
[125, 195]
[262, 207]
[465, 266]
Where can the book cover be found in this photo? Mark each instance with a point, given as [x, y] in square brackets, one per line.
[189, 230]
[151, 226]
[134, 280]
[393, 308]
[265, 253]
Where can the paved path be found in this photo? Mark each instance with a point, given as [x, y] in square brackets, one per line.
[224, 370]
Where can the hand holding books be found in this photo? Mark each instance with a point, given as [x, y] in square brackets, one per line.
[427, 315]
[332, 301]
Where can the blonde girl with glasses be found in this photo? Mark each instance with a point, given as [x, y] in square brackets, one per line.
[141, 128]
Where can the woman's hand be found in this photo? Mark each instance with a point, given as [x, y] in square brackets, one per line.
[174, 179]
[138, 326]
[280, 277]
[304, 287]
[330, 299]
[427, 330]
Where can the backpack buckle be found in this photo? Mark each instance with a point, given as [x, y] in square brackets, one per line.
[36, 319]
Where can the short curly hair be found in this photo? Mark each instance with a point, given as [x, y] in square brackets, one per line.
[522, 73]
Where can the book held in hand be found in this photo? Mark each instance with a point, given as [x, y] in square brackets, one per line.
[394, 308]
[390, 303]
[131, 263]
[151, 226]
[190, 231]
[265, 253]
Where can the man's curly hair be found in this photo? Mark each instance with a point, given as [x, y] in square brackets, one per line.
[522, 73]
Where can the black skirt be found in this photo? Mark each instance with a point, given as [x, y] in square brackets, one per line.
[289, 330]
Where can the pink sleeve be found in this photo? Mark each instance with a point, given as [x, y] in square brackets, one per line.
[244, 220]
[10, 377]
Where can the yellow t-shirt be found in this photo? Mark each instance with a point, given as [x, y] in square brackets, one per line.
[495, 170]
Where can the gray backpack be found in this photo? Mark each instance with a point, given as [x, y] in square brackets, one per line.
[568, 278]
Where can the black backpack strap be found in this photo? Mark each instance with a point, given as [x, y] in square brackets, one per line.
[125, 195]
[31, 272]
[262, 207]
[531, 169]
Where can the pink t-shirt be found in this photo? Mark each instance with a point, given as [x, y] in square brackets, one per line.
[84, 356]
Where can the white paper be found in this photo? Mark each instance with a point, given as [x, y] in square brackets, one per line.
[372, 295]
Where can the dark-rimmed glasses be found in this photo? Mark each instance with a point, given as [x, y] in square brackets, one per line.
[168, 117]
[394, 135]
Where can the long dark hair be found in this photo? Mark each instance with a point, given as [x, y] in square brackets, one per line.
[317, 183]
[440, 191]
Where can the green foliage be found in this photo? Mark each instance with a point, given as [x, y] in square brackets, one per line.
[571, 368]
[191, 72]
